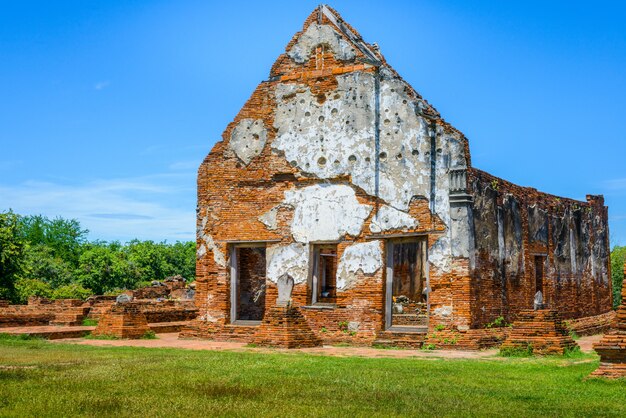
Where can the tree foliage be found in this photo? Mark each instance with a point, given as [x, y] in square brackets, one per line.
[53, 258]
[618, 255]
[71, 291]
[12, 249]
[25, 288]
[64, 238]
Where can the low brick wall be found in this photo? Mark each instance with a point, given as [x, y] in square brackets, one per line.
[124, 320]
[591, 325]
[541, 331]
[99, 305]
[168, 310]
[471, 339]
[38, 311]
[72, 312]
[213, 331]
[285, 327]
[23, 318]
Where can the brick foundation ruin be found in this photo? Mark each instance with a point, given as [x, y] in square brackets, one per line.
[173, 303]
[540, 332]
[339, 173]
[591, 325]
[612, 347]
[123, 320]
[285, 327]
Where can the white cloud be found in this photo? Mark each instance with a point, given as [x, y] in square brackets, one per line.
[154, 207]
[100, 85]
[615, 184]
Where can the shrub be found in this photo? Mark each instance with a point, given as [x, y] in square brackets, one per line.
[114, 292]
[149, 335]
[573, 352]
[25, 288]
[71, 291]
[499, 322]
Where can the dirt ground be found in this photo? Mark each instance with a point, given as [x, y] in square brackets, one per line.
[170, 340]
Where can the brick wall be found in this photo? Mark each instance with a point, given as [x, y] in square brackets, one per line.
[235, 192]
[512, 226]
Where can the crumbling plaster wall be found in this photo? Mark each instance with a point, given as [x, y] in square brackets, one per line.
[512, 225]
[303, 163]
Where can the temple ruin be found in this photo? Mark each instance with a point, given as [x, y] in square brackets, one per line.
[337, 173]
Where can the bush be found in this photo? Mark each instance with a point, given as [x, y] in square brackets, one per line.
[71, 291]
[40, 263]
[519, 351]
[25, 288]
[114, 292]
[499, 322]
[149, 335]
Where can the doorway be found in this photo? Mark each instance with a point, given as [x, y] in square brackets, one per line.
[539, 263]
[407, 283]
[248, 271]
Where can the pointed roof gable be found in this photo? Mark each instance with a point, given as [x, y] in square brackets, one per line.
[325, 27]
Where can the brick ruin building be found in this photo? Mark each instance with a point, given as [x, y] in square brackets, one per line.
[337, 172]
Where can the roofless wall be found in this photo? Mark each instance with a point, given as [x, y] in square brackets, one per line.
[337, 173]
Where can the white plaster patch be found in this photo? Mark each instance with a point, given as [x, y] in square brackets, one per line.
[325, 212]
[389, 219]
[201, 251]
[459, 231]
[439, 254]
[292, 259]
[365, 257]
[208, 244]
[443, 311]
[218, 256]
[269, 218]
[448, 154]
[336, 138]
[247, 139]
[210, 316]
[316, 35]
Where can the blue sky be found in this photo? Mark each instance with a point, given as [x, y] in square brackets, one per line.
[108, 108]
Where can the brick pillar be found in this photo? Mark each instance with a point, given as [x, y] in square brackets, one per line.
[612, 347]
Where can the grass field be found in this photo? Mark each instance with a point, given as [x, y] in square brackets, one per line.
[38, 378]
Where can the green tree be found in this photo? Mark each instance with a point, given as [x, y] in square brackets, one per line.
[149, 259]
[71, 291]
[104, 267]
[41, 263]
[25, 288]
[64, 237]
[156, 261]
[12, 248]
[618, 255]
[182, 257]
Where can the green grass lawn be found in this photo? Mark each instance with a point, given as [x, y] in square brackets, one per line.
[38, 378]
